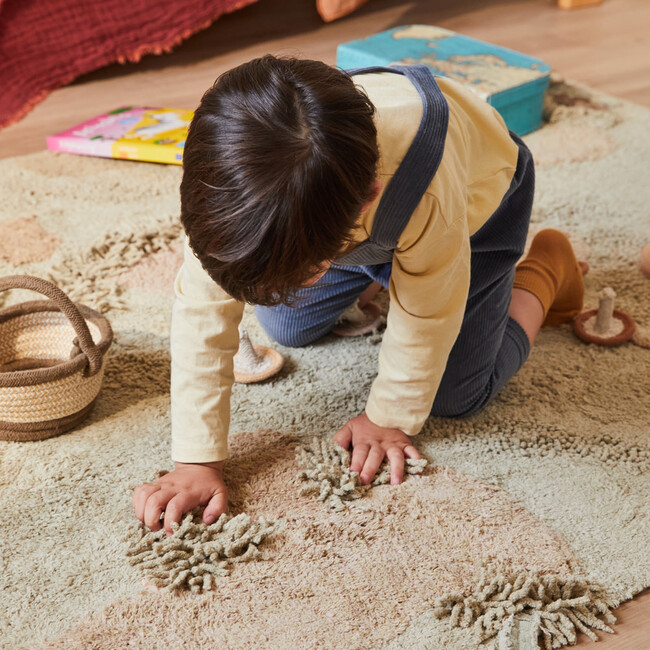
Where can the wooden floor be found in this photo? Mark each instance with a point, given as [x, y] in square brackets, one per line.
[606, 46]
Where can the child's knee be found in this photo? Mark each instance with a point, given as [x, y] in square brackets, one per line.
[282, 328]
[452, 404]
[454, 411]
[288, 339]
[283, 336]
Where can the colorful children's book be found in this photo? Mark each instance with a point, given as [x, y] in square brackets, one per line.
[131, 132]
[512, 82]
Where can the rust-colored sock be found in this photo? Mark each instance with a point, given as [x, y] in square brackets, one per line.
[552, 273]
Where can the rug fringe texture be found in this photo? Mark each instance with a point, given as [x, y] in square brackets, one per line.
[197, 554]
[326, 470]
[565, 606]
[90, 276]
[519, 632]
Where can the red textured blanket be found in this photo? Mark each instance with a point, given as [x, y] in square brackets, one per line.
[45, 44]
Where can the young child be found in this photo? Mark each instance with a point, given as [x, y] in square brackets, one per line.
[306, 188]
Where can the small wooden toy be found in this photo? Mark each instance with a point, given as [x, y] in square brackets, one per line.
[255, 362]
[644, 262]
[356, 321]
[512, 82]
[605, 326]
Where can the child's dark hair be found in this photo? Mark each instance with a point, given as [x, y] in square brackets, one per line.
[280, 158]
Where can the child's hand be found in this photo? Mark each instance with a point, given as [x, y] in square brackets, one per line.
[370, 444]
[188, 486]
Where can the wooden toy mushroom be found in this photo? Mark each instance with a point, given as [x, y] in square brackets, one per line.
[605, 326]
[255, 362]
[355, 320]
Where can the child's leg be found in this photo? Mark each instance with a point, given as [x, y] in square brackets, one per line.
[491, 345]
[552, 274]
[480, 365]
[528, 311]
[319, 307]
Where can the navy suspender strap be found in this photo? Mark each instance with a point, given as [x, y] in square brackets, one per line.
[414, 174]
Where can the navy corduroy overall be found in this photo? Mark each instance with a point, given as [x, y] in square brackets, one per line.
[491, 346]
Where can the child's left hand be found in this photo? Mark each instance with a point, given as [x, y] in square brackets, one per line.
[370, 444]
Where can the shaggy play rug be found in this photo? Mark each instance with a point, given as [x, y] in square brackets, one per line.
[532, 517]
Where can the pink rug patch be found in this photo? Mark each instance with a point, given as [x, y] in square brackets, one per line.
[351, 578]
[24, 240]
[154, 272]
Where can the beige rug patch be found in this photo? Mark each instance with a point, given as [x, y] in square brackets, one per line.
[363, 573]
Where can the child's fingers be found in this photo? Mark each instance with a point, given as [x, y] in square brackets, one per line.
[140, 496]
[359, 455]
[374, 460]
[156, 503]
[396, 462]
[343, 437]
[217, 505]
[179, 504]
[411, 452]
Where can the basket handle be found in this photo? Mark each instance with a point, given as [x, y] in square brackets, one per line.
[66, 306]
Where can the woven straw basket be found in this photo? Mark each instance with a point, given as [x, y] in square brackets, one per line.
[52, 355]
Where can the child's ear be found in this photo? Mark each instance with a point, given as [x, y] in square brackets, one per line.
[376, 189]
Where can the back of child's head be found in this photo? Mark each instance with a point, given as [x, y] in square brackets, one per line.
[280, 158]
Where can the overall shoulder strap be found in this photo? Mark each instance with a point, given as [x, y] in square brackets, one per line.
[419, 165]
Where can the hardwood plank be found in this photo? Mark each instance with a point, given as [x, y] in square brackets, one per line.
[631, 630]
[606, 46]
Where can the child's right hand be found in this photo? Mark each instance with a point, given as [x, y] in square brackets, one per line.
[188, 486]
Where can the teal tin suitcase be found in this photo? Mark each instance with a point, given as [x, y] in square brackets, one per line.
[513, 83]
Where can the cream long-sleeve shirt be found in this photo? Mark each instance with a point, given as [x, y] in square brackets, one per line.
[428, 285]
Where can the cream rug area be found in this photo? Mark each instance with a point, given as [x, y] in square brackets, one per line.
[529, 517]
